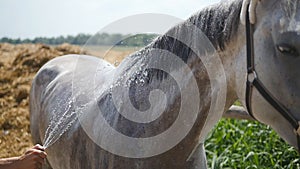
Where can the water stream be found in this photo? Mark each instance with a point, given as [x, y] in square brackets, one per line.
[59, 123]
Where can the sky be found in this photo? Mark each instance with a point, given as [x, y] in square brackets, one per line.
[52, 18]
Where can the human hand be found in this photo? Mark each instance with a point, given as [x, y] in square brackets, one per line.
[32, 159]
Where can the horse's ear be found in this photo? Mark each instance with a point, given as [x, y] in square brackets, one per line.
[252, 8]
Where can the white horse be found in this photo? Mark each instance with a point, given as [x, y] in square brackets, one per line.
[272, 97]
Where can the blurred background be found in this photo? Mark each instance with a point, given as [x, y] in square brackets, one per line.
[41, 18]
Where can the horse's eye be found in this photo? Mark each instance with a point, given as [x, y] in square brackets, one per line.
[287, 49]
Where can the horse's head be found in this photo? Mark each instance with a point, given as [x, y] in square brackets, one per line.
[277, 64]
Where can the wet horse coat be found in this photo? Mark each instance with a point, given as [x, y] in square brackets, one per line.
[53, 87]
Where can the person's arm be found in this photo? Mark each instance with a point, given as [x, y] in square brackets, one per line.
[8, 163]
[32, 159]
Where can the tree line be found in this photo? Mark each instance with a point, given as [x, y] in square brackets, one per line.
[82, 39]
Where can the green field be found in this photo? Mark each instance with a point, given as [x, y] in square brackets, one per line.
[243, 144]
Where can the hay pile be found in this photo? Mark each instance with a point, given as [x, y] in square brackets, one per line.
[18, 65]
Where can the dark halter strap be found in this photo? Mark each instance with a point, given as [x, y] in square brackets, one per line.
[254, 82]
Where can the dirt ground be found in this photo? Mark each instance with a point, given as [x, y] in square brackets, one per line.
[18, 65]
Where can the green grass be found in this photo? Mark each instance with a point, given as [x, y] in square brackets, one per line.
[242, 144]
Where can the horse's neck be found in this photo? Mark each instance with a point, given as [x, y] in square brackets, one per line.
[231, 56]
[220, 23]
[234, 62]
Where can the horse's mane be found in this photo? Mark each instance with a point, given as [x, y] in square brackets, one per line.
[219, 22]
[290, 7]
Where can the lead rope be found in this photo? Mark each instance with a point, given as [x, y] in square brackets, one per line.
[253, 81]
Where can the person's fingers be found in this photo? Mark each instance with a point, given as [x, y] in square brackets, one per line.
[39, 147]
[35, 151]
[36, 159]
[43, 154]
[39, 153]
[28, 151]
[36, 147]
